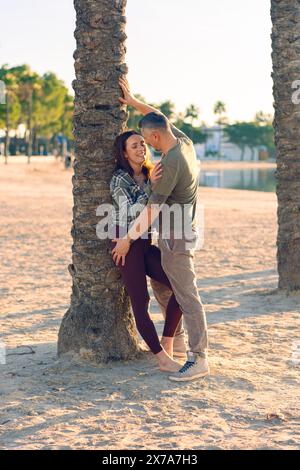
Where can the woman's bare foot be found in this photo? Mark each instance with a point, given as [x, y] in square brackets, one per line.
[166, 363]
[167, 344]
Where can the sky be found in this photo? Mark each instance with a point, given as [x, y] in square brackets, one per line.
[192, 51]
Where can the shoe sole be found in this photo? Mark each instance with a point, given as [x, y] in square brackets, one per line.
[187, 379]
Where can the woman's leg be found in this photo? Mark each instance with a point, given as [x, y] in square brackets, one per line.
[162, 294]
[134, 278]
[173, 313]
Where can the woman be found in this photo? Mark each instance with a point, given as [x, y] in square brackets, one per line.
[130, 189]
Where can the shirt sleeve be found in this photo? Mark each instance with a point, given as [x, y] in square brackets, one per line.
[162, 189]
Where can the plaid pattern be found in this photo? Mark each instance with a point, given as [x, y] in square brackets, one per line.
[128, 198]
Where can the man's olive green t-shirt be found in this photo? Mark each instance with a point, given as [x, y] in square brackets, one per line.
[179, 181]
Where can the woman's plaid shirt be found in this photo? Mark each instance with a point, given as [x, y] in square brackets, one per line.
[129, 199]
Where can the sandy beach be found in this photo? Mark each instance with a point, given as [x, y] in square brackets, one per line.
[250, 400]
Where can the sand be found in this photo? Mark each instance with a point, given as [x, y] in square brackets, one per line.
[251, 398]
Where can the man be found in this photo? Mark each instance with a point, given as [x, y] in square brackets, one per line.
[178, 186]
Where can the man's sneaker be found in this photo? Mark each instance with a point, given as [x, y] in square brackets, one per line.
[194, 368]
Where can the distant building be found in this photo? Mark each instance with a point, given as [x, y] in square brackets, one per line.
[217, 146]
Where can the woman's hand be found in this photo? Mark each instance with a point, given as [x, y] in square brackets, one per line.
[156, 173]
[128, 97]
[120, 250]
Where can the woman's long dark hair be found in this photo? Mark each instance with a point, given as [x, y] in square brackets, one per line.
[119, 149]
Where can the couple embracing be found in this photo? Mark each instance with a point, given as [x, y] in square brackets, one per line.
[137, 183]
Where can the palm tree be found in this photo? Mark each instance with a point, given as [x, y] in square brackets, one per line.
[286, 69]
[219, 111]
[30, 85]
[99, 324]
[12, 105]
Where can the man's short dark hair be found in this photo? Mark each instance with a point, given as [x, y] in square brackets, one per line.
[154, 121]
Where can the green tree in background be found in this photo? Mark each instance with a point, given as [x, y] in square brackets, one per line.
[222, 120]
[66, 119]
[196, 134]
[266, 132]
[45, 107]
[133, 115]
[41, 103]
[252, 135]
[191, 115]
[10, 112]
[167, 108]
[241, 134]
[29, 92]
[220, 112]
[54, 114]
[186, 122]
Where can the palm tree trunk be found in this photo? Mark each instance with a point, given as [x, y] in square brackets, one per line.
[35, 143]
[99, 323]
[286, 69]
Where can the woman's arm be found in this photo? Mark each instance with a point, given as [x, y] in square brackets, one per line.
[130, 100]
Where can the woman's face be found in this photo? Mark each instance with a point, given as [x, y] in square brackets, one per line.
[135, 150]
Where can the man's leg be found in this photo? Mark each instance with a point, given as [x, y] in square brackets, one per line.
[178, 264]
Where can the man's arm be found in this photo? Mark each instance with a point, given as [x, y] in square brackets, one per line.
[143, 221]
[130, 100]
[177, 132]
[143, 108]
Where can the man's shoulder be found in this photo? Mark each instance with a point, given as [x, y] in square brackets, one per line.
[177, 154]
